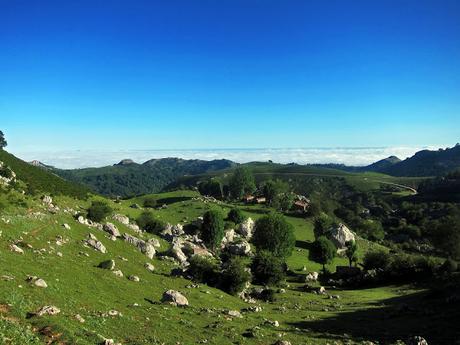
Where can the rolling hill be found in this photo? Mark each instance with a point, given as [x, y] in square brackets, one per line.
[128, 178]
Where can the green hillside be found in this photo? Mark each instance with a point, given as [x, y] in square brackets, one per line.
[129, 179]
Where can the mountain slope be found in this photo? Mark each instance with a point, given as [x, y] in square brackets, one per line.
[41, 180]
[128, 178]
[382, 164]
[427, 163]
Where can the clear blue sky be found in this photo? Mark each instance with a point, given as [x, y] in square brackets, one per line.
[206, 74]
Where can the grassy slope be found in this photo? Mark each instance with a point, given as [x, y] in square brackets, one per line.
[362, 181]
[76, 285]
[40, 180]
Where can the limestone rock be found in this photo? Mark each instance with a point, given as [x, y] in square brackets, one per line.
[340, 235]
[118, 273]
[246, 228]
[241, 248]
[311, 277]
[134, 278]
[93, 242]
[417, 340]
[121, 218]
[144, 247]
[149, 267]
[14, 248]
[111, 229]
[66, 226]
[174, 297]
[48, 310]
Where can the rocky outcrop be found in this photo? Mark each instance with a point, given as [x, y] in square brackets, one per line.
[143, 246]
[111, 229]
[340, 234]
[240, 248]
[246, 228]
[94, 243]
[121, 218]
[48, 310]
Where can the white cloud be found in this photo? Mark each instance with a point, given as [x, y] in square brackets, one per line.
[345, 155]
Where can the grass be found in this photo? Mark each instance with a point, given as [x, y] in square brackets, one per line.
[77, 286]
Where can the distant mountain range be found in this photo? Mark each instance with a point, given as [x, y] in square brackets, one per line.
[424, 163]
[128, 178]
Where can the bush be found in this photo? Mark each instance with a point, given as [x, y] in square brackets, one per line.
[211, 187]
[273, 233]
[268, 269]
[378, 259]
[149, 223]
[150, 202]
[6, 172]
[236, 216]
[449, 266]
[267, 295]
[203, 270]
[98, 211]
[212, 231]
[234, 276]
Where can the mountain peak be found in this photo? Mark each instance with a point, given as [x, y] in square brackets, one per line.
[126, 162]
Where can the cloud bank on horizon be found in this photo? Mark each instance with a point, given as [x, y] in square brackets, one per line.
[358, 156]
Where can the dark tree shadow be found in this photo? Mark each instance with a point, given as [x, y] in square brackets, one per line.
[172, 200]
[433, 317]
[303, 244]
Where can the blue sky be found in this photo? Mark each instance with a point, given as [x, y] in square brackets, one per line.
[114, 75]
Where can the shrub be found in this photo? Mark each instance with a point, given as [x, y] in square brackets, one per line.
[449, 266]
[211, 187]
[150, 202]
[275, 234]
[212, 230]
[149, 223]
[323, 251]
[234, 276]
[98, 211]
[203, 270]
[268, 269]
[236, 216]
[6, 172]
[267, 295]
[378, 259]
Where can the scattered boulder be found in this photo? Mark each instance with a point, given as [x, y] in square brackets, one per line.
[149, 267]
[234, 313]
[175, 298]
[48, 310]
[107, 265]
[94, 243]
[111, 229]
[14, 248]
[38, 282]
[66, 226]
[134, 278]
[118, 273]
[154, 242]
[240, 248]
[47, 200]
[144, 247]
[273, 323]
[417, 340]
[311, 277]
[246, 228]
[121, 218]
[79, 318]
[340, 234]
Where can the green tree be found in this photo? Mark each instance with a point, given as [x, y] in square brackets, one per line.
[236, 215]
[241, 183]
[278, 194]
[323, 251]
[234, 276]
[211, 187]
[447, 236]
[322, 225]
[351, 252]
[3, 142]
[275, 234]
[149, 223]
[377, 259]
[267, 268]
[98, 211]
[212, 231]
